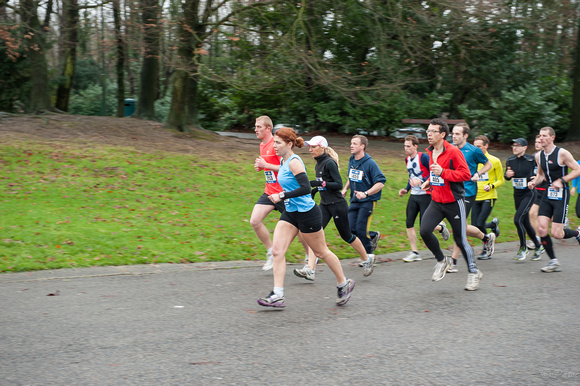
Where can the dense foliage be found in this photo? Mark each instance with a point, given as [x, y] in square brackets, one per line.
[506, 67]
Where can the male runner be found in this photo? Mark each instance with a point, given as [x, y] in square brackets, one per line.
[520, 169]
[418, 168]
[448, 172]
[365, 180]
[540, 190]
[486, 192]
[473, 156]
[553, 163]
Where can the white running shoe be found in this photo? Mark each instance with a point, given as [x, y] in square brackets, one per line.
[452, 268]
[269, 262]
[473, 280]
[490, 245]
[441, 268]
[553, 266]
[412, 256]
[305, 273]
[369, 265]
[444, 231]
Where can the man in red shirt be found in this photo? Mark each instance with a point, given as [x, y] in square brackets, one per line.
[448, 171]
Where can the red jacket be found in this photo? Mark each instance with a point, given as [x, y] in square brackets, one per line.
[455, 172]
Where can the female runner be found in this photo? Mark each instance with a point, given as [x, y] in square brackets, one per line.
[302, 214]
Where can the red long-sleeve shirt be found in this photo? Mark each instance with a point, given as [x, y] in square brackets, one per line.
[455, 172]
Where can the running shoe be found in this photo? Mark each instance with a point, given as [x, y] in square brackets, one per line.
[538, 253]
[522, 254]
[444, 231]
[495, 226]
[473, 280]
[269, 262]
[375, 241]
[578, 237]
[272, 300]
[452, 268]
[483, 254]
[345, 292]
[441, 268]
[553, 266]
[369, 265]
[490, 245]
[305, 273]
[412, 256]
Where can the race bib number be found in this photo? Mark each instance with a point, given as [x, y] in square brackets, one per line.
[554, 194]
[270, 177]
[355, 175]
[484, 177]
[436, 180]
[320, 187]
[520, 183]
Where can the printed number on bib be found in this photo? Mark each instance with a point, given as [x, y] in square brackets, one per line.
[270, 177]
[355, 175]
[436, 180]
[484, 177]
[520, 183]
[320, 187]
[554, 194]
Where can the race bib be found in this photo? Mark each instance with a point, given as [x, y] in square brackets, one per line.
[270, 176]
[554, 194]
[320, 187]
[484, 177]
[355, 175]
[436, 180]
[520, 183]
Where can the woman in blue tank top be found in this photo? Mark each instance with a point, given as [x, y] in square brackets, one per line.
[301, 215]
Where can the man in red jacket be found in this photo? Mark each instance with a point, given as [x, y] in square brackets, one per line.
[448, 170]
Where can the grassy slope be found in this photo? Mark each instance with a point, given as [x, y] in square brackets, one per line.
[71, 204]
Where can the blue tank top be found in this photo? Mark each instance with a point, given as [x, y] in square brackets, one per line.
[288, 182]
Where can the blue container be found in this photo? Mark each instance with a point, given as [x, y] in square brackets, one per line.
[129, 107]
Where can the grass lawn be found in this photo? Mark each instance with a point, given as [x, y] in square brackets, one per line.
[76, 205]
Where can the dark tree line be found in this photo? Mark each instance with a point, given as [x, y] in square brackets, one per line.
[509, 67]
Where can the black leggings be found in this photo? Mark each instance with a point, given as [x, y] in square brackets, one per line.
[417, 204]
[480, 212]
[338, 211]
[522, 218]
[455, 213]
[578, 205]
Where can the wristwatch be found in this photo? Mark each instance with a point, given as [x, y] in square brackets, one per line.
[367, 193]
[282, 195]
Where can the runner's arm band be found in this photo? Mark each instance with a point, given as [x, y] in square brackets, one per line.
[302, 190]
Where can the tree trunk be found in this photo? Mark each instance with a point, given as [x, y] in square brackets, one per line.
[71, 18]
[574, 131]
[35, 50]
[120, 60]
[149, 86]
[178, 112]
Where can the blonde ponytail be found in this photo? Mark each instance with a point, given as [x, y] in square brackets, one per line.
[332, 154]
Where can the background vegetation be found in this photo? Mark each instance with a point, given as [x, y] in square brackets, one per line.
[508, 67]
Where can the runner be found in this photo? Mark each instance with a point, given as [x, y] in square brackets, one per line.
[520, 169]
[269, 162]
[540, 191]
[473, 156]
[553, 163]
[301, 214]
[487, 186]
[366, 180]
[418, 168]
[333, 205]
[448, 172]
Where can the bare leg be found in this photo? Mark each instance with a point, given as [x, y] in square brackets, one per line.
[412, 236]
[317, 242]
[283, 236]
[259, 213]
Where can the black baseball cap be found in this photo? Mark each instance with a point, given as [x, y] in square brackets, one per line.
[519, 141]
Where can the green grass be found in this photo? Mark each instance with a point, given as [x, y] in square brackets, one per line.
[71, 205]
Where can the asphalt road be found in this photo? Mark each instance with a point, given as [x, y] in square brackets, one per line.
[199, 324]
